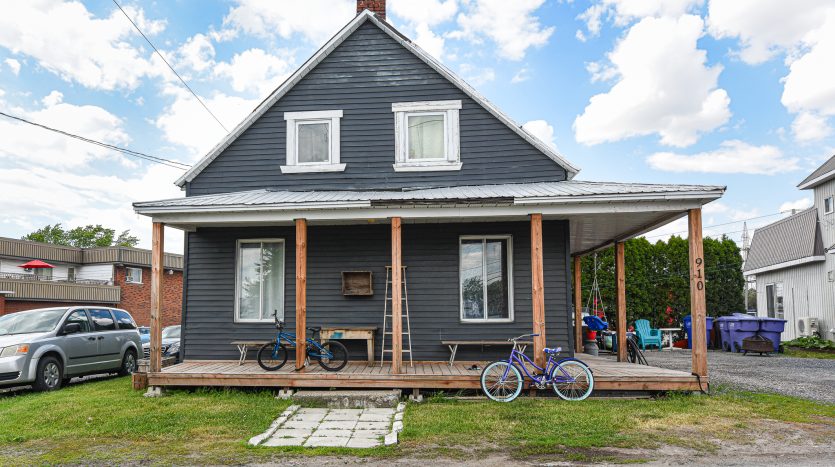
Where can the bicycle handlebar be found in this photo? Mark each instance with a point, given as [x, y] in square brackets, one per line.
[514, 339]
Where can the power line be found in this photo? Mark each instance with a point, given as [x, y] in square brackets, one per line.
[716, 225]
[171, 67]
[129, 152]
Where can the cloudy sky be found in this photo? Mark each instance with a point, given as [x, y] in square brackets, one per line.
[731, 92]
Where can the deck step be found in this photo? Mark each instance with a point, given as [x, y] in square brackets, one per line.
[346, 399]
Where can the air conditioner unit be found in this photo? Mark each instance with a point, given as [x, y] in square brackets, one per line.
[807, 326]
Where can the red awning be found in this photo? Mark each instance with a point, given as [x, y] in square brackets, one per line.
[36, 264]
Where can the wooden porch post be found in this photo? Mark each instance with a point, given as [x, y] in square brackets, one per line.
[697, 293]
[578, 306]
[157, 252]
[396, 298]
[620, 286]
[537, 290]
[301, 292]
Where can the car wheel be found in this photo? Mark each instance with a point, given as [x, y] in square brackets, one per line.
[128, 363]
[50, 374]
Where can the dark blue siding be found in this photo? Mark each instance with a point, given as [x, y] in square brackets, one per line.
[430, 252]
[363, 77]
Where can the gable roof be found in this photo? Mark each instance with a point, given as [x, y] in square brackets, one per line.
[822, 174]
[323, 53]
[788, 242]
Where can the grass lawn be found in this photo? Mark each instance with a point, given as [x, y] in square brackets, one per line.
[107, 422]
[800, 353]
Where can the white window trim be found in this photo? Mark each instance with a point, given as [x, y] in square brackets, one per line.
[294, 119]
[452, 137]
[238, 243]
[831, 205]
[510, 310]
[130, 281]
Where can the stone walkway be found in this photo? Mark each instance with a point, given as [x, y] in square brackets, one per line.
[314, 427]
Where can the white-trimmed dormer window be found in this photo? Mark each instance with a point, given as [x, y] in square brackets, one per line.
[313, 142]
[426, 136]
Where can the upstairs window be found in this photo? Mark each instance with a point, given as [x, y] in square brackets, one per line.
[133, 275]
[313, 142]
[828, 205]
[426, 136]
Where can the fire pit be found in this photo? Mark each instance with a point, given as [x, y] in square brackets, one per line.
[760, 344]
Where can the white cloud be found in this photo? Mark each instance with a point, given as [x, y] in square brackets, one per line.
[316, 20]
[623, 12]
[196, 53]
[41, 147]
[733, 156]
[76, 199]
[13, 65]
[69, 41]
[514, 28]
[664, 86]
[808, 127]
[765, 27]
[428, 12]
[255, 71]
[521, 76]
[476, 75]
[797, 205]
[185, 122]
[542, 130]
[429, 41]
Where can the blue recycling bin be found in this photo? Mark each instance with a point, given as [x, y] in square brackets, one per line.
[771, 328]
[741, 326]
[688, 330]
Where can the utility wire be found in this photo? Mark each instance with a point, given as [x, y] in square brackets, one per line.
[171, 67]
[717, 225]
[129, 152]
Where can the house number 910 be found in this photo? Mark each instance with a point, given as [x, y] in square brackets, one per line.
[700, 283]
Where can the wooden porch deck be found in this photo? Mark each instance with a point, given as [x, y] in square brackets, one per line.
[609, 375]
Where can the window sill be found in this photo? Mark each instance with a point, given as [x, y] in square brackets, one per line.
[486, 321]
[312, 168]
[427, 167]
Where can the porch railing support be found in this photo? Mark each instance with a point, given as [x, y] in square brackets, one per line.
[301, 292]
[697, 293]
[157, 253]
[396, 297]
[537, 290]
[578, 306]
[620, 286]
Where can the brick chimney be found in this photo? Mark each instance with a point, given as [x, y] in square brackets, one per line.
[378, 7]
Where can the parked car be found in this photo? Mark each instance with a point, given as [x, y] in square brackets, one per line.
[170, 343]
[144, 333]
[48, 346]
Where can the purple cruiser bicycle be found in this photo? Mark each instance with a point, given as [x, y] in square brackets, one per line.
[502, 380]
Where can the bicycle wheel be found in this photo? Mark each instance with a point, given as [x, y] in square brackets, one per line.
[271, 357]
[498, 387]
[572, 380]
[338, 358]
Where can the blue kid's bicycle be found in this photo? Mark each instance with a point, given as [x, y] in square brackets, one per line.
[331, 355]
[502, 380]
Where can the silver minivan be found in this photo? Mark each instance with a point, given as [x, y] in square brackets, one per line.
[48, 346]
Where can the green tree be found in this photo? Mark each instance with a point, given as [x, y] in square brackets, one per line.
[89, 236]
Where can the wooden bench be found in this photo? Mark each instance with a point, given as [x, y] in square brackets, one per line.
[453, 345]
[243, 346]
[365, 333]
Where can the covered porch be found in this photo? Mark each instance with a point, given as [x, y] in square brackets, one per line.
[568, 219]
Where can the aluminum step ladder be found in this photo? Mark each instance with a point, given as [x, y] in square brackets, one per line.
[387, 318]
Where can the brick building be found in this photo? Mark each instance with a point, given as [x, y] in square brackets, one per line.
[111, 276]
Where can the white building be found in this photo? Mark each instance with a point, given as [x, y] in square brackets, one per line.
[793, 260]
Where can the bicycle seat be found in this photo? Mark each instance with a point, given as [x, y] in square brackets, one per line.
[314, 328]
[553, 351]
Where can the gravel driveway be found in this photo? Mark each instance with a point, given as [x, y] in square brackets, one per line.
[810, 378]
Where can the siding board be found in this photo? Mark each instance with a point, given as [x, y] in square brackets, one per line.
[430, 251]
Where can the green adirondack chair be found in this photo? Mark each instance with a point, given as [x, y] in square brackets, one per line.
[646, 335]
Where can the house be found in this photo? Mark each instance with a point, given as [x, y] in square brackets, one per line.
[374, 155]
[109, 276]
[792, 260]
